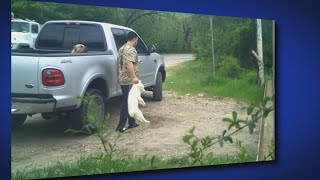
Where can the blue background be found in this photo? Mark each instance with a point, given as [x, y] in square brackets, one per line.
[297, 86]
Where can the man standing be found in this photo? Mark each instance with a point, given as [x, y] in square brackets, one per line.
[127, 73]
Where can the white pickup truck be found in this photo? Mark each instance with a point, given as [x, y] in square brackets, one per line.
[23, 33]
[49, 79]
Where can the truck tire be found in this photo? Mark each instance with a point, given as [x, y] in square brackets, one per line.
[46, 116]
[157, 90]
[78, 117]
[17, 120]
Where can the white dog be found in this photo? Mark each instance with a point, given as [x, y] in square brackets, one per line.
[134, 99]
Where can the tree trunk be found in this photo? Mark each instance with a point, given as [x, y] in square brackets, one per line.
[133, 17]
[186, 30]
[130, 17]
[259, 55]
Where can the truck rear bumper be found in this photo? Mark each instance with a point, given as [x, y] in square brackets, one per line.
[21, 105]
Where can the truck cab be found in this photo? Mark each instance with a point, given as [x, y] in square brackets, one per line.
[23, 33]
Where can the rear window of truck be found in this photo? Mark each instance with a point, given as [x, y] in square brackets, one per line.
[63, 36]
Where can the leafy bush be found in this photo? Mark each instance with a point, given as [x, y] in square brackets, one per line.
[228, 66]
[92, 116]
[200, 46]
[199, 145]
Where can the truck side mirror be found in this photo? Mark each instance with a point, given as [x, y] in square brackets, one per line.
[151, 49]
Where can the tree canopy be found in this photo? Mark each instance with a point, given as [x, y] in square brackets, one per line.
[169, 32]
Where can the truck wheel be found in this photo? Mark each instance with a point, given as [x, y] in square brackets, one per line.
[78, 117]
[157, 90]
[17, 120]
[46, 116]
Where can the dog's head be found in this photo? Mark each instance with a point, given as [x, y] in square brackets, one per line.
[139, 86]
[79, 48]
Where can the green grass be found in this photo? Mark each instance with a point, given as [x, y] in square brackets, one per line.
[268, 76]
[97, 164]
[194, 78]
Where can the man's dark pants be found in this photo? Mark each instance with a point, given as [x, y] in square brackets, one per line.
[124, 115]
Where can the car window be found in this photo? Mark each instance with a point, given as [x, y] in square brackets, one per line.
[120, 37]
[141, 47]
[63, 36]
[34, 28]
[20, 27]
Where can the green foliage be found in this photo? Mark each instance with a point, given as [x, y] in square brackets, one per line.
[200, 46]
[233, 37]
[243, 154]
[197, 145]
[195, 77]
[250, 77]
[94, 164]
[229, 67]
[214, 81]
[198, 150]
[268, 42]
[243, 40]
[271, 154]
[234, 121]
[92, 115]
[169, 32]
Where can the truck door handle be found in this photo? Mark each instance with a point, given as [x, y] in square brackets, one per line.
[140, 61]
[29, 85]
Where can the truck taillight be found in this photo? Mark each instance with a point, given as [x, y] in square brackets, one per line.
[52, 77]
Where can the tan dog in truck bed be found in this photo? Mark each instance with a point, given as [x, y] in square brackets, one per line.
[79, 48]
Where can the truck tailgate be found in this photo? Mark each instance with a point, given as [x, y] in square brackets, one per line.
[24, 74]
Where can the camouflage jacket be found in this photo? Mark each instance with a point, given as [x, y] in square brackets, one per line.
[127, 53]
